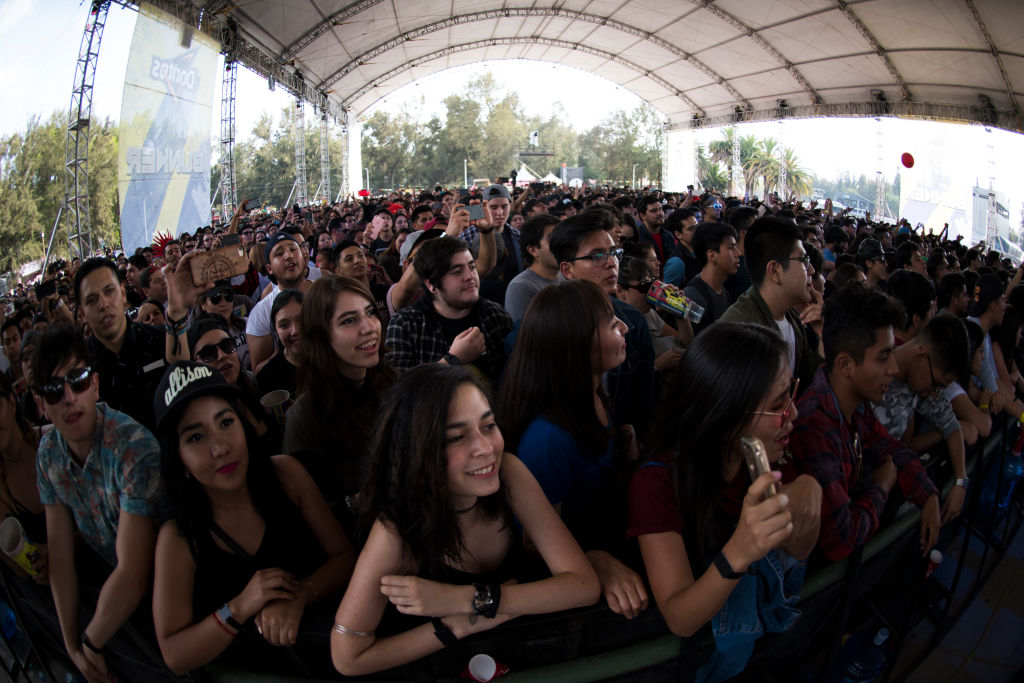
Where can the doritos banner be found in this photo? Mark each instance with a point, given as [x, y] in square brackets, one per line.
[163, 175]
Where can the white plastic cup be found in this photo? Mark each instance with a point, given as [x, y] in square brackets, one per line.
[16, 546]
[275, 403]
[482, 668]
[934, 560]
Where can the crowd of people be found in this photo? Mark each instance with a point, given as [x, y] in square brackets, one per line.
[401, 426]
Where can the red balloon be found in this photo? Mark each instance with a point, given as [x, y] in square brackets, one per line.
[907, 159]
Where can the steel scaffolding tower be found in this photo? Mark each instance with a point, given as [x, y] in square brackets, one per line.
[783, 170]
[345, 189]
[737, 169]
[299, 128]
[325, 160]
[227, 139]
[76, 144]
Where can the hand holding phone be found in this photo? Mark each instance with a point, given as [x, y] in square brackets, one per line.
[756, 458]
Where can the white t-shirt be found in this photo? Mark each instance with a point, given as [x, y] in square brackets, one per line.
[258, 323]
[786, 330]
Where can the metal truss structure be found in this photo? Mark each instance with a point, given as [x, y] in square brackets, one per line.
[324, 191]
[223, 29]
[299, 129]
[228, 188]
[76, 144]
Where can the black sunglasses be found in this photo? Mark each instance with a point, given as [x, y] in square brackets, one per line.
[208, 353]
[53, 391]
[215, 298]
[643, 286]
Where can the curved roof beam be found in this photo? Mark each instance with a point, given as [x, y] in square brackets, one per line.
[995, 56]
[752, 33]
[518, 40]
[877, 47]
[339, 17]
[489, 15]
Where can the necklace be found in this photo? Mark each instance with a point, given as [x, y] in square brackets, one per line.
[459, 512]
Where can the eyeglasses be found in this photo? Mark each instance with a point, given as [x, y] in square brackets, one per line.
[215, 298]
[937, 387]
[209, 353]
[600, 257]
[246, 233]
[804, 259]
[53, 391]
[794, 384]
[642, 287]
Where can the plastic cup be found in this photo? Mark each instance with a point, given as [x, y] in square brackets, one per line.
[275, 403]
[16, 545]
[934, 560]
[484, 668]
[668, 298]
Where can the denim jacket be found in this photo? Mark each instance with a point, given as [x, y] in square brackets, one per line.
[763, 600]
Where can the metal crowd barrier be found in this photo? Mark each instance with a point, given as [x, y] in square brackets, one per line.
[594, 644]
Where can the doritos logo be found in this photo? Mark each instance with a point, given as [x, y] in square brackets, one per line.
[176, 74]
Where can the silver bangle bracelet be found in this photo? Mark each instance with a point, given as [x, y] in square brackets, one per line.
[338, 628]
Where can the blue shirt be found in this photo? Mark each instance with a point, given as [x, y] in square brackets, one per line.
[581, 481]
[121, 472]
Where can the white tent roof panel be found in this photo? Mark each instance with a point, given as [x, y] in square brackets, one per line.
[703, 57]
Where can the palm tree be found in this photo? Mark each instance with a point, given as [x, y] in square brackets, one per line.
[764, 164]
[721, 152]
[798, 178]
[714, 178]
[748, 152]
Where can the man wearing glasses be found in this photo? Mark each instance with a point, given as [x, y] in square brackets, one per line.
[781, 276]
[838, 439]
[99, 473]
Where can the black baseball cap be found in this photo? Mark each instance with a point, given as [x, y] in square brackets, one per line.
[276, 239]
[182, 382]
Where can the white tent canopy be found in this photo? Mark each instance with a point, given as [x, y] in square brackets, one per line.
[524, 175]
[699, 62]
[551, 178]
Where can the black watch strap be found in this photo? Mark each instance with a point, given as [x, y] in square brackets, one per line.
[451, 359]
[443, 633]
[724, 568]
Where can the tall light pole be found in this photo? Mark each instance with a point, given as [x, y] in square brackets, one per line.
[634, 176]
[465, 172]
[367, 169]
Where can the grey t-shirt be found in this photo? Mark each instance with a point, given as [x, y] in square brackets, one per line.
[521, 291]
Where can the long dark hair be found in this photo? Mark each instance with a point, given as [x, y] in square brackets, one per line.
[1005, 334]
[335, 400]
[187, 503]
[407, 481]
[550, 372]
[730, 367]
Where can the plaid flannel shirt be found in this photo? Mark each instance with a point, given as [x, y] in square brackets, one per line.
[415, 337]
[822, 446]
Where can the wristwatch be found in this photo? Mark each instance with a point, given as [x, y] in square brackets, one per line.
[451, 359]
[485, 601]
[724, 568]
[962, 481]
[224, 612]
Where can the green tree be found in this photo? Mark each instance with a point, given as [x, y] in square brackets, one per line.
[720, 152]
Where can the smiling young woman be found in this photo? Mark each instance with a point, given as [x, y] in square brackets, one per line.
[439, 503]
[251, 544]
[343, 374]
